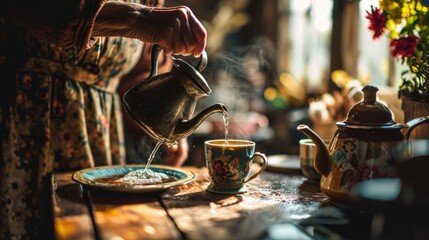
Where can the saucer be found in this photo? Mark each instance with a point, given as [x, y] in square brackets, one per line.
[284, 163]
[214, 189]
[90, 177]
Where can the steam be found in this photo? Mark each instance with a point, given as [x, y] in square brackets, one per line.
[139, 146]
[237, 78]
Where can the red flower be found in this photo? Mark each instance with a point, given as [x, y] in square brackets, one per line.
[404, 46]
[377, 22]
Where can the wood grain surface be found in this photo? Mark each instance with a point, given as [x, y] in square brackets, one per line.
[185, 212]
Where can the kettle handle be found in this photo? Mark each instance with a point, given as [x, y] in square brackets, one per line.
[203, 62]
[156, 49]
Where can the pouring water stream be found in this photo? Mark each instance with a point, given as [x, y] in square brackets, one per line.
[226, 123]
[143, 175]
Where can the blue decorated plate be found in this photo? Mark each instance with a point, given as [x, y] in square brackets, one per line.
[100, 177]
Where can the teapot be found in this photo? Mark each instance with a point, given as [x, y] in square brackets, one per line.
[163, 104]
[360, 148]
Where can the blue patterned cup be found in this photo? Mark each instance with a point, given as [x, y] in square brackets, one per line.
[229, 165]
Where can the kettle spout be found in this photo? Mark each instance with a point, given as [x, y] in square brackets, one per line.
[186, 128]
[322, 162]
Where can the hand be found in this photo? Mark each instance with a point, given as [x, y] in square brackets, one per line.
[177, 154]
[175, 29]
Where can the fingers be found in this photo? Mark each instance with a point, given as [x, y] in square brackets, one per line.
[188, 39]
[178, 31]
[192, 34]
[199, 33]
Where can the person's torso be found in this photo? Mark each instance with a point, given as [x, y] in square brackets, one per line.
[100, 66]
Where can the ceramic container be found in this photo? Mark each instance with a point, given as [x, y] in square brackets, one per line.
[229, 165]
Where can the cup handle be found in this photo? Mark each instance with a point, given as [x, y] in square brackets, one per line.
[264, 165]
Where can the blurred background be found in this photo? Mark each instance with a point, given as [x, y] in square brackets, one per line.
[278, 63]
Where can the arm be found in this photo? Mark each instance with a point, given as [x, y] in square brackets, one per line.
[175, 29]
[65, 23]
[72, 23]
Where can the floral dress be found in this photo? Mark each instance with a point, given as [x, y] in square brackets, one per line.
[59, 111]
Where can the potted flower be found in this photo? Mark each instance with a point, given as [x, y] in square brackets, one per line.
[406, 23]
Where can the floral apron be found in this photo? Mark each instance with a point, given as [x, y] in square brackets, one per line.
[64, 114]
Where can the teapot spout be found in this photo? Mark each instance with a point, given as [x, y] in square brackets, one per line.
[186, 128]
[322, 162]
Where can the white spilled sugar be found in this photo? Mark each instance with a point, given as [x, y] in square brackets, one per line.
[145, 177]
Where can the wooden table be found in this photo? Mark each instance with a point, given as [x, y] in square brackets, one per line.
[185, 212]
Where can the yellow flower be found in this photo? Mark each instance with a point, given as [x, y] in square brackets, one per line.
[392, 26]
[408, 28]
[394, 9]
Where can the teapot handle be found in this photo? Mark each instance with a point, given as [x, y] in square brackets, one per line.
[413, 124]
[156, 49]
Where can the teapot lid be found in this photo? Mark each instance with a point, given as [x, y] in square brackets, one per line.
[369, 112]
[193, 73]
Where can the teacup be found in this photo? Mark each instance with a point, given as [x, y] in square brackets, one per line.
[229, 164]
[307, 151]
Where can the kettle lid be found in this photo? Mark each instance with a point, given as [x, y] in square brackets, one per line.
[369, 112]
[193, 73]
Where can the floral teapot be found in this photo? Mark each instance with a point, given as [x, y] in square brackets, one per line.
[360, 148]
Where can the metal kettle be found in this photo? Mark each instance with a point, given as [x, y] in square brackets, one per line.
[163, 104]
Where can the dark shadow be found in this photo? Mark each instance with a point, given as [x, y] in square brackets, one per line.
[171, 200]
[73, 193]
[100, 196]
[70, 192]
